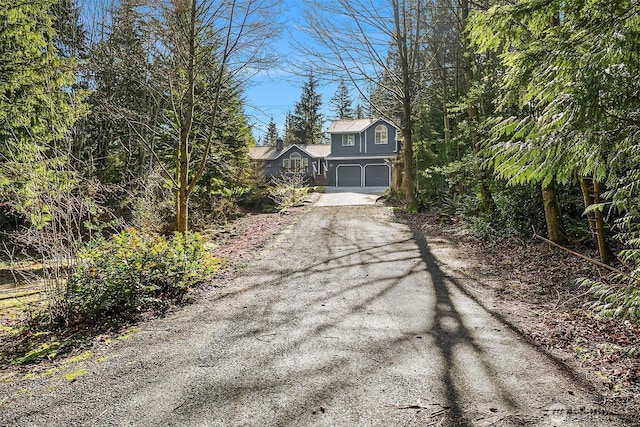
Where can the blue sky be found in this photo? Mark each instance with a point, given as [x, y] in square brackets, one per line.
[270, 93]
[275, 92]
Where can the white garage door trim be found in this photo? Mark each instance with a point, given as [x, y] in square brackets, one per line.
[350, 164]
[376, 164]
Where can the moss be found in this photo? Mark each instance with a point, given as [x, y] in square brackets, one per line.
[47, 350]
[75, 374]
[84, 356]
[49, 372]
[128, 333]
[8, 379]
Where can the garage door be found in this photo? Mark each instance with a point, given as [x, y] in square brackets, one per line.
[376, 176]
[349, 176]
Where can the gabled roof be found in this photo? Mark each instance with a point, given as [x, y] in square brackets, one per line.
[353, 125]
[271, 153]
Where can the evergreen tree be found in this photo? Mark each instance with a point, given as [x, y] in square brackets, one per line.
[272, 133]
[359, 112]
[37, 105]
[307, 118]
[124, 107]
[341, 102]
[289, 129]
[70, 37]
[227, 175]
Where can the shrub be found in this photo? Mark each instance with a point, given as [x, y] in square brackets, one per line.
[618, 295]
[133, 271]
[288, 190]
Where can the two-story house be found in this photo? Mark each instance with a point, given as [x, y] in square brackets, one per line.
[360, 153]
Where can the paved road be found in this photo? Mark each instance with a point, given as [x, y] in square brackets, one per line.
[348, 320]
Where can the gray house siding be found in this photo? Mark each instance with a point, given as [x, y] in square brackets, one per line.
[337, 149]
[364, 163]
[364, 142]
[359, 173]
[389, 148]
[276, 167]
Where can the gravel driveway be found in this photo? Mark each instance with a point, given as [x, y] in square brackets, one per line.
[350, 196]
[347, 320]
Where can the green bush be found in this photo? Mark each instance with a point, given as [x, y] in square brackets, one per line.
[133, 271]
[621, 301]
[618, 295]
[288, 190]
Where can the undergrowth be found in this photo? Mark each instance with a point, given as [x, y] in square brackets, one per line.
[113, 282]
[288, 190]
[134, 271]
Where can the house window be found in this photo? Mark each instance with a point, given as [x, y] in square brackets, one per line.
[381, 135]
[295, 163]
[348, 140]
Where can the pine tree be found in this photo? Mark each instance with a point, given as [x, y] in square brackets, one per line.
[307, 118]
[341, 102]
[359, 113]
[272, 133]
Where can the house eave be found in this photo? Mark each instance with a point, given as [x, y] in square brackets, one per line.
[382, 157]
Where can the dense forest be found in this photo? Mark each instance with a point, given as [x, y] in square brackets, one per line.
[126, 119]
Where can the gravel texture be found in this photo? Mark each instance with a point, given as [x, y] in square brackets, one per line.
[346, 317]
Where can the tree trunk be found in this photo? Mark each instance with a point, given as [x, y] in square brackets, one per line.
[183, 211]
[552, 214]
[184, 189]
[445, 115]
[410, 200]
[587, 197]
[472, 111]
[396, 177]
[603, 247]
[596, 222]
[407, 68]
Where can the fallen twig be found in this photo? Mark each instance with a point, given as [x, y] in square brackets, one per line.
[586, 258]
[420, 406]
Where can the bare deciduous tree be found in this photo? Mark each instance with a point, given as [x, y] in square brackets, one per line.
[206, 46]
[374, 46]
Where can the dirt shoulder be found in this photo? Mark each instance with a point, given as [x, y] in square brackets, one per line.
[534, 288]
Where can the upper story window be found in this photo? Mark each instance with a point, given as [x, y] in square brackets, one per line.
[295, 163]
[382, 137]
[348, 140]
